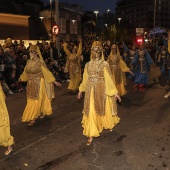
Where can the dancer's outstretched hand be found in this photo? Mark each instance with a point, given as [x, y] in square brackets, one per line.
[79, 95]
[117, 97]
[57, 83]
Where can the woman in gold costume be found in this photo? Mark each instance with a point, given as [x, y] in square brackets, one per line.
[40, 87]
[73, 66]
[118, 68]
[100, 108]
[6, 139]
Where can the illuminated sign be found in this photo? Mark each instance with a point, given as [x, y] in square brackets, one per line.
[55, 29]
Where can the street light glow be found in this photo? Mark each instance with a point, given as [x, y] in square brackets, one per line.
[119, 20]
[41, 17]
[108, 14]
[96, 12]
[73, 21]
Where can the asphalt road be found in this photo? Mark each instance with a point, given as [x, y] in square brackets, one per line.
[141, 141]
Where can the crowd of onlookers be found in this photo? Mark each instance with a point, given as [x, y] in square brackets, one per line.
[14, 56]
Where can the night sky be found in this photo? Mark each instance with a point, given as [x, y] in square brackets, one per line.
[92, 5]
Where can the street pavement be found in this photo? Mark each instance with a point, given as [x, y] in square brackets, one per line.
[141, 141]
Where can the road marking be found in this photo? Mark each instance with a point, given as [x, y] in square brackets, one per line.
[43, 138]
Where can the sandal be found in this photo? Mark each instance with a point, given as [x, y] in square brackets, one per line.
[31, 122]
[89, 141]
[10, 149]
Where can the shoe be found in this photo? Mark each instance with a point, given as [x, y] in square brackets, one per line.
[31, 122]
[10, 149]
[89, 141]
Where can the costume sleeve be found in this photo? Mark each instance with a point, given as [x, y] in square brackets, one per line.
[83, 85]
[48, 76]
[157, 48]
[126, 48]
[135, 60]
[66, 69]
[165, 42]
[109, 82]
[66, 49]
[169, 46]
[79, 51]
[148, 58]
[24, 75]
[123, 66]
[2, 95]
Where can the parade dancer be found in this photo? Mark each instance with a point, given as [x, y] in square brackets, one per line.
[100, 108]
[128, 57]
[73, 66]
[6, 139]
[162, 59]
[142, 62]
[40, 87]
[118, 69]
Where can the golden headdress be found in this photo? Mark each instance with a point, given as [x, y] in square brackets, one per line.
[100, 48]
[37, 49]
[113, 47]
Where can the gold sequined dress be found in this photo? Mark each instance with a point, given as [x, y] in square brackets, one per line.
[5, 137]
[100, 108]
[118, 69]
[73, 67]
[40, 89]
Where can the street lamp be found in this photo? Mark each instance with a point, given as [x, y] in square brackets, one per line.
[51, 18]
[96, 12]
[41, 19]
[73, 21]
[57, 22]
[108, 14]
[154, 17]
[119, 20]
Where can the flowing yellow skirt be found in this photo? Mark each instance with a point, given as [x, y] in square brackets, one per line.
[37, 107]
[94, 124]
[121, 89]
[5, 138]
[74, 82]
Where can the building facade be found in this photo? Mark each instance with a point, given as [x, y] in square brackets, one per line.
[70, 28]
[18, 19]
[146, 14]
[30, 20]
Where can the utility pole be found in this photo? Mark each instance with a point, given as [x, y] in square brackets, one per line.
[154, 18]
[154, 14]
[51, 20]
[57, 23]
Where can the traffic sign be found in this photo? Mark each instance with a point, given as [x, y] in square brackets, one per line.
[139, 31]
[55, 29]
